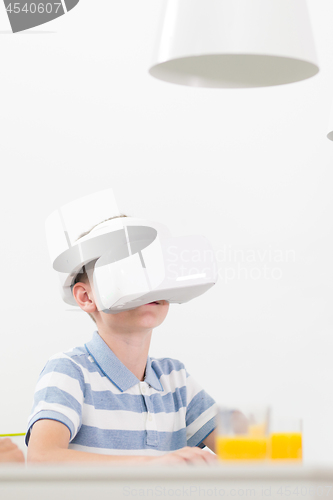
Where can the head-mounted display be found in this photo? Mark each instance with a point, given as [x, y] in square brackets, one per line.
[129, 261]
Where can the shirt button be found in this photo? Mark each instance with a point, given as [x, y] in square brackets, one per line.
[150, 418]
[143, 389]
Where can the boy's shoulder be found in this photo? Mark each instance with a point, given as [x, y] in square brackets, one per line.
[72, 353]
[167, 365]
[77, 357]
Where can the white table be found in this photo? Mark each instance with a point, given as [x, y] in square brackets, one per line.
[257, 482]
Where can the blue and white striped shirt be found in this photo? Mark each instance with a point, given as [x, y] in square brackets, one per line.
[108, 410]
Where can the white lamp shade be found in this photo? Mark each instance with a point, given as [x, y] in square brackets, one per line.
[234, 43]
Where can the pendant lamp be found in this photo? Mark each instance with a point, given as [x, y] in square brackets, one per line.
[234, 43]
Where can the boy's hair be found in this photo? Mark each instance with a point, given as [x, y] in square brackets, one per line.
[82, 275]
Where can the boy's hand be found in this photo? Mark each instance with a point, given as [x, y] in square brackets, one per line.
[187, 455]
[9, 452]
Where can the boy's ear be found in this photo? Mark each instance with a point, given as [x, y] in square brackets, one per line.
[84, 298]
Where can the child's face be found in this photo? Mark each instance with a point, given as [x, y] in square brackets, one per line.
[144, 317]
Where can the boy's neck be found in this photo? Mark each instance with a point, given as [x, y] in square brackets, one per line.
[131, 348]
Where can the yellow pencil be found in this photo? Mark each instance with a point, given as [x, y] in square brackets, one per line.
[12, 435]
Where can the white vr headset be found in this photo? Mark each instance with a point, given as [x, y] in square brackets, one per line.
[129, 261]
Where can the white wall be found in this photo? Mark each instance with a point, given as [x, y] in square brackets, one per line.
[250, 169]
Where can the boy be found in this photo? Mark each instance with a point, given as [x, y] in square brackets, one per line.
[109, 401]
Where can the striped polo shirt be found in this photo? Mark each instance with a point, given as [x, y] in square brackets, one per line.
[108, 410]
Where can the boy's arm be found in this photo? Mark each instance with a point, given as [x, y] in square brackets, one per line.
[210, 440]
[49, 441]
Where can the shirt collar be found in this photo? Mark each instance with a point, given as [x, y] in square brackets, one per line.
[115, 370]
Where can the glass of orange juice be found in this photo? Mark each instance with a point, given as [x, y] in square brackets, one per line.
[285, 441]
[242, 433]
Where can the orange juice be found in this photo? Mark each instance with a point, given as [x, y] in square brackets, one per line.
[286, 445]
[241, 447]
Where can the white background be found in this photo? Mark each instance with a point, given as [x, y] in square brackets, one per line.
[250, 169]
